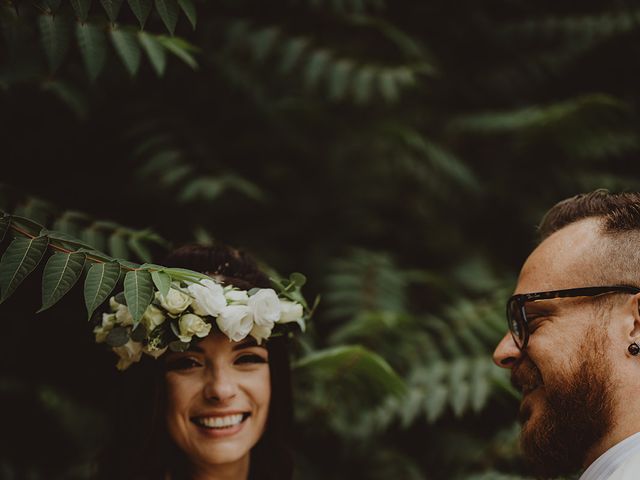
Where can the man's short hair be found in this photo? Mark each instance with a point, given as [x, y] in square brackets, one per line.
[617, 258]
[620, 212]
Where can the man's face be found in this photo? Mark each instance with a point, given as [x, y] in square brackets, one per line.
[564, 374]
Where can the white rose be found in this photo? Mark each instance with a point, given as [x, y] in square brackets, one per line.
[129, 353]
[237, 296]
[123, 316]
[208, 297]
[152, 317]
[191, 325]
[101, 331]
[175, 302]
[261, 332]
[265, 306]
[113, 304]
[235, 321]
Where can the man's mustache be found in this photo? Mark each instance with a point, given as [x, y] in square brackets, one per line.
[525, 376]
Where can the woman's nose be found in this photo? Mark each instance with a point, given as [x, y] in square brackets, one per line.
[506, 353]
[219, 386]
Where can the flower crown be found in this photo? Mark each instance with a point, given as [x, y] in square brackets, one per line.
[188, 309]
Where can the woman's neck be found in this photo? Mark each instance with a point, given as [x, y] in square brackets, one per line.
[227, 471]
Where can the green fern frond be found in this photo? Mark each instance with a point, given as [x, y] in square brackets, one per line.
[109, 237]
[324, 68]
[579, 109]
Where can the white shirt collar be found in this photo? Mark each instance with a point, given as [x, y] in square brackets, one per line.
[609, 461]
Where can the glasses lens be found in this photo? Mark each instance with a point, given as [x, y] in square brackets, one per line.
[516, 322]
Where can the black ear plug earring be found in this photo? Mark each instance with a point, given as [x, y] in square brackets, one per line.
[634, 349]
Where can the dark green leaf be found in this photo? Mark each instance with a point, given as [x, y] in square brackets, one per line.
[139, 333]
[181, 49]
[357, 365]
[127, 48]
[94, 254]
[155, 52]
[117, 337]
[118, 245]
[60, 274]
[162, 281]
[190, 11]
[120, 298]
[100, 281]
[112, 7]
[93, 46]
[27, 224]
[65, 239]
[298, 279]
[138, 290]
[168, 11]
[81, 7]
[141, 9]
[18, 261]
[139, 248]
[5, 222]
[55, 33]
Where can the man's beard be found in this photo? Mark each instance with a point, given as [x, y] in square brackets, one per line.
[576, 414]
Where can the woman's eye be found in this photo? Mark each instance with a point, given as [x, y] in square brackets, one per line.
[183, 363]
[250, 358]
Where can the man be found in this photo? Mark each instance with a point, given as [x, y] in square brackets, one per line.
[574, 341]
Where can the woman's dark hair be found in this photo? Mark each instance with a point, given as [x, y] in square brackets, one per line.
[147, 452]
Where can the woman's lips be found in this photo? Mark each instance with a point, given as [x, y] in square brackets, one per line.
[220, 425]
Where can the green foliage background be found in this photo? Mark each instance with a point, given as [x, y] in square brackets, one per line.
[398, 153]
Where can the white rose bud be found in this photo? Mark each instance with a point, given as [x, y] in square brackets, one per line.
[261, 332]
[129, 353]
[175, 302]
[154, 352]
[265, 306]
[290, 311]
[123, 316]
[208, 297]
[237, 296]
[101, 331]
[191, 325]
[152, 318]
[235, 321]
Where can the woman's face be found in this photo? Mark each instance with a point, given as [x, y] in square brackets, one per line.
[218, 396]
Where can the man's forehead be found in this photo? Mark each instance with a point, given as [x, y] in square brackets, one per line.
[565, 259]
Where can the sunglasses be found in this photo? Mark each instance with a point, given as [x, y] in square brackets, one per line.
[517, 313]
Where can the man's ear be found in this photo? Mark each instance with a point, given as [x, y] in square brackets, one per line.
[634, 333]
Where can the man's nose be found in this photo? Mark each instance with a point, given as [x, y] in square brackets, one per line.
[220, 385]
[506, 353]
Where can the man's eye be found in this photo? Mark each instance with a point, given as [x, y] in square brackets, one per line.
[250, 358]
[184, 363]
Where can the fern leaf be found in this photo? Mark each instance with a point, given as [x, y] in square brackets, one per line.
[55, 33]
[189, 10]
[168, 11]
[112, 7]
[141, 9]
[126, 45]
[93, 46]
[81, 9]
[155, 51]
[181, 49]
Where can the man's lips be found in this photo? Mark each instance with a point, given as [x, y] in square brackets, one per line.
[526, 378]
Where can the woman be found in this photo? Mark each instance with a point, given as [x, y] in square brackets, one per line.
[221, 409]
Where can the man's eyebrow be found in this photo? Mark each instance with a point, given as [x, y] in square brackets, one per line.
[248, 343]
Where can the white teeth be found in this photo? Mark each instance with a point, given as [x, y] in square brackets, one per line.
[220, 422]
